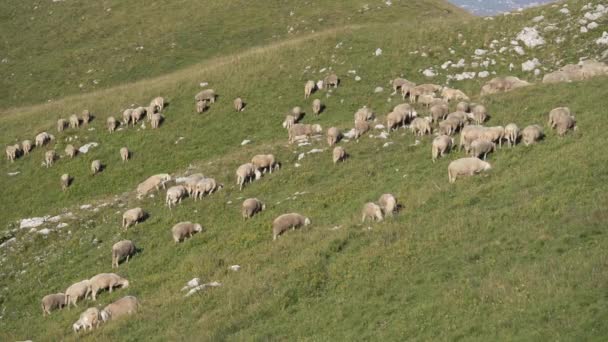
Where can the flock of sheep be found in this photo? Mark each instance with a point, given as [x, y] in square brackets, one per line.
[477, 140]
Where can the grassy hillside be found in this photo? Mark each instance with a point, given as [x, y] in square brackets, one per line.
[517, 254]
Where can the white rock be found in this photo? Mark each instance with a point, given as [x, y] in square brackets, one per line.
[379, 126]
[378, 52]
[32, 222]
[86, 206]
[33, 230]
[564, 11]
[297, 165]
[86, 147]
[378, 90]
[387, 144]
[354, 72]
[538, 19]
[350, 134]
[194, 282]
[320, 84]
[315, 150]
[383, 135]
[357, 78]
[530, 65]
[301, 156]
[446, 65]
[461, 64]
[480, 52]
[13, 173]
[583, 29]
[44, 231]
[592, 25]
[530, 37]
[519, 50]
[8, 242]
[62, 225]
[234, 268]
[429, 73]
[245, 142]
[483, 74]
[203, 84]
[603, 40]
[536, 72]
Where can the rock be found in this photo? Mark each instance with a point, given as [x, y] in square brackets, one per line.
[480, 52]
[86, 147]
[301, 156]
[201, 287]
[357, 78]
[8, 242]
[315, 150]
[483, 74]
[378, 52]
[387, 144]
[502, 84]
[564, 11]
[530, 37]
[603, 40]
[429, 73]
[245, 142]
[86, 206]
[44, 231]
[13, 173]
[378, 90]
[577, 72]
[62, 225]
[530, 65]
[234, 268]
[379, 126]
[32, 222]
[538, 19]
[519, 50]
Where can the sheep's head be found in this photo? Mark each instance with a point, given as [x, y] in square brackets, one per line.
[77, 326]
[263, 206]
[306, 221]
[198, 228]
[487, 166]
[105, 315]
[317, 128]
[125, 283]
[258, 174]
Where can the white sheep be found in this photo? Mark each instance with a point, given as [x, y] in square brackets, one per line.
[132, 216]
[175, 194]
[388, 204]
[557, 113]
[480, 114]
[106, 281]
[61, 123]
[406, 89]
[207, 95]
[364, 114]
[65, 181]
[421, 126]
[52, 302]
[532, 134]
[126, 116]
[565, 123]
[49, 158]
[466, 167]
[247, 173]
[450, 94]
[96, 166]
[331, 80]
[468, 135]
[74, 121]
[11, 152]
[463, 107]
[201, 106]
[77, 291]
[191, 181]
[155, 120]
[111, 124]
[482, 147]
[124, 306]
[333, 136]
[206, 186]
[26, 146]
[372, 211]
[338, 154]
[361, 127]
[401, 83]
[183, 230]
[317, 106]
[43, 138]
[290, 120]
[86, 117]
[89, 319]
[511, 134]
[394, 120]
[265, 162]
[494, 134]
[70, 151]
[288, 221]
[122, 250]
[158, 103]
[297, 130]
[441, 145]
[438, 112]
[252, 206]
[309, 88]
[153, 182]
[124, 154]
[449, 126]
[238, 104]
[137, 114]
[423, 89]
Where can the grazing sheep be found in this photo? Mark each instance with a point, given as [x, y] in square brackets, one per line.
[191, 181]
[11, 152]
[394, 120]
[364, 114]
[463, 107]
[96, 166]
[421, 126]
[466, 167]
[399, 83]
[406, 89]
[462, 118]
[372, 211]
[175, 195]
[449, 126]
[153, 182]
[502, 84]
[564, 123]
[361, 127]
[124, 306]
[201, 106]
[286, 221]
[297, 112]
[426, 99]
[290, 120]
[74, 121]
[441, 145]
[86, 117]
[331, 80]
[183, 230]
[405, 109]
[265, 162]
[158, 103]
[132, 216]
[557, 113]
[532, 134]
[333, 136]
[238, 104]
[70, 151]
[77, 291]
[52, 302]
[246, 173]
[309, 88]
[468, 135]
[339, 154]
[155, 120]
[423, 89]
[106, 281]
[126, 116]
[27, 146]
[317, 106]
[43, 138]
[206, 186]
[150, 111]
[88, 319]
[388, 204]
[207, 95]
[49, 158]
[511, 134]
[137, 114]
[482, 147]
[124, 154]
[297, 130]
[480, 114]
[449, 94]
[122, 250]
[252, 206]
[438, 112]
[111, 124]
[494, 134]
[61, 123]
[65, 181]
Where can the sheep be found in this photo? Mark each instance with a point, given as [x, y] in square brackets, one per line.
[122, 250]
[124, 154]
[423, 89]
[532, 134]
[317, 106]
[449, 126]
[88, 319]
[70, 151]
[333, 136]
[480, 114]
[286, 221]
[155, 120]
[106, 281]
[438, 112]
[399, 83]
[463, 107]
[481, 147]
[201, 106]
[494, 134]
[406, 89]
[297, 112]
[265, 162]
[74, 121]
[309, 88]
[132, 216]
[65, 181]
[466, 167]
[152, 182]
[364, 114]
[158, 102]
[557, 113]
[361, 127]
[175, 195]
[43, 138]
[124, 306]
[339, 154]
[394, 120]
[388, 204]
[468, 135]
[27, 146]
[11, 152]
[150, 111]
[52, 302]
[206, 186]
[49, 158]
[426, 99]
[405, 109]
[246, 173]
[372, 211]
[86, 117]
[238, 104]
[76, 291]
[564, 123]
[511, 134]
[331, 80]
[61, 123]
[183, 230]
[303, 129]
[450, 94]
[126, 116]
[96, 166]
[462, 118]
[421, 126]
[252, 206]
[191, 181]
[441, 145]
[111, 124]
[137, 114]
[206, 95]
[290, 120]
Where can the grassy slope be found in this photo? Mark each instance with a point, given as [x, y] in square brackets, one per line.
[515, 255]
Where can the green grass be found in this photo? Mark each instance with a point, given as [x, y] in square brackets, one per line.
[517, 254]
